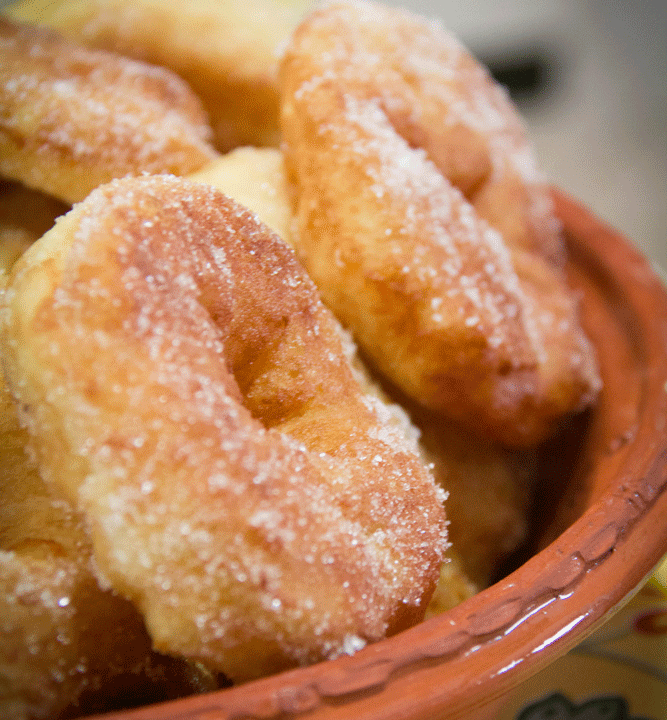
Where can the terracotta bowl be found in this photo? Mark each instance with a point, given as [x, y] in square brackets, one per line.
[600, 528]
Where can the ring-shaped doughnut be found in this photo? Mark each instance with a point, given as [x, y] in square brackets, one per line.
[228, 55]
[72, 118]
[403, 153]
[190, 394]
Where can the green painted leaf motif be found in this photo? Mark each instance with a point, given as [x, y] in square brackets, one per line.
[559, 707]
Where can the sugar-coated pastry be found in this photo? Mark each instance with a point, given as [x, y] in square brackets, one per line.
[402, 151]
[225, 49]
[190, 395]
[489, 494]
[74, 118]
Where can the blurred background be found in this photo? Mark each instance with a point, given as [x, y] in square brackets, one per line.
[590, 78]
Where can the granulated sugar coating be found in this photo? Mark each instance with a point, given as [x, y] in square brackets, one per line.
[74, 118]
[424, 222]
[225, 51]
[61, 635]
[187, 390]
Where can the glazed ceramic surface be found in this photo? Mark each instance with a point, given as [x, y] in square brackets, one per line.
[601, 527]
[617, 673]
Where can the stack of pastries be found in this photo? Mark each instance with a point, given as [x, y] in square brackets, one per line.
[285, 321]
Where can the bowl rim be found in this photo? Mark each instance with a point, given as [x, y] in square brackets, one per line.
[436, 669]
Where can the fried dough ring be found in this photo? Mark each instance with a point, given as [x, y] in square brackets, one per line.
[488, 488]
[72, 118]
[240, 488]
[401, 149]
[227, 52]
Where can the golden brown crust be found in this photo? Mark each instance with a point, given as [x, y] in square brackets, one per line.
[402, 150]
[226, 51]
[454, 585]
[73, 118]
[241, 489]
[64, 641]
[67, 646]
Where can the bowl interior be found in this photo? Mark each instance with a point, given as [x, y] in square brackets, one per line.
[600, 527]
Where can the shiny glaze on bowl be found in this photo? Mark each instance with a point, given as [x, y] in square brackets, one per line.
[602, 528]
